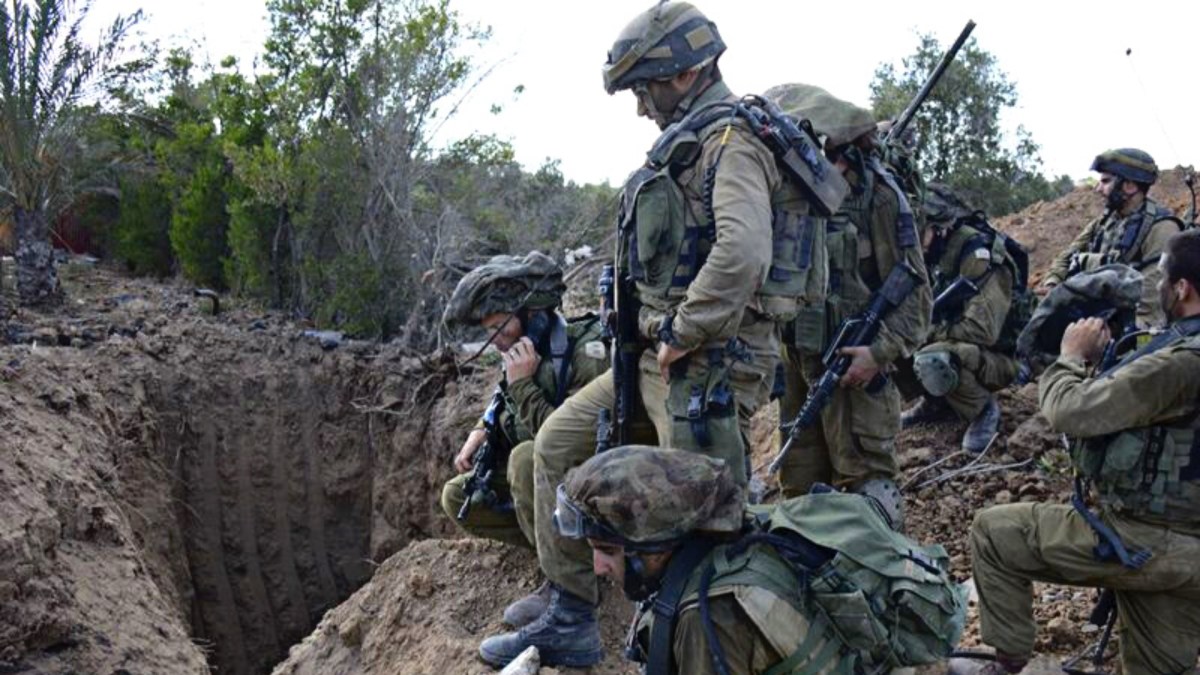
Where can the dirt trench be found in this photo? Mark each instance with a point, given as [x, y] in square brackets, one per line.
[180, 492]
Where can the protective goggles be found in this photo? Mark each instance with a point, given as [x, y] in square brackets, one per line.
[572, 523]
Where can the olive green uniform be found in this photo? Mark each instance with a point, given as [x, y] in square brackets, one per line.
[758, 614]
[1153, 504]
[971, 336]
[1102, 242]
[527, 404]
[855, 439]
[724, 298]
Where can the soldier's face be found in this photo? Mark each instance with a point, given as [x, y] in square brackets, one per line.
[1105, 186]
[1167, 295]
[509, 326]
[608, 561]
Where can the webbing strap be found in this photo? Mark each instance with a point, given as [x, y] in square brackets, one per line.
[1110, 548]
[816, 630]
[906, 227]
[666, 602]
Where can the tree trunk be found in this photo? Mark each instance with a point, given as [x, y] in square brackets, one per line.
[37, 279]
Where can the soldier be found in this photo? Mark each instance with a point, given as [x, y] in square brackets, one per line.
[1136, 444]
[546, 358]
[672, 529]
[970, 351]
[696, 247]
[853, 447]
[1133, 229]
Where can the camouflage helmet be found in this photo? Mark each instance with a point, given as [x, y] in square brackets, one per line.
[506, 284]
[942, 205]
[668, 39]
[649, 498]
[1128, 163]
[840, 122]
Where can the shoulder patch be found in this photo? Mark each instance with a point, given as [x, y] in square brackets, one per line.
[595, 350]
[983, 254]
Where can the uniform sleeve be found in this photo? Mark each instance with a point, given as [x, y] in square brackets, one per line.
[588, 361]
[741, 255]
[1150, 307]
[746, 650]
[533, 406]
[1062, 262]
[905, 328]
[983, 317]
[1157, 387]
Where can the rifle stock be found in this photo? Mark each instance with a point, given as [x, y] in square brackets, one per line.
[859, 331]
[487, 459]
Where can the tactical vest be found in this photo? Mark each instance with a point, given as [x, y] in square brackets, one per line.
[553, 375]
[1150, 471]
[853, 274]
[1120, 240]
[668, 227]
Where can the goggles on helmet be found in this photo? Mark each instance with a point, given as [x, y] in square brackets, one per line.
[573, 523]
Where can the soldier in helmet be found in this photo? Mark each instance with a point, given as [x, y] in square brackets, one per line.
[696, 251]
[546, 358]
[853, 447]
[1132, 230]
[970, 351]
[1135, 444]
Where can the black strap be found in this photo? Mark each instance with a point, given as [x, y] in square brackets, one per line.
[1110, 548]
[1182, 328]
[666, 602]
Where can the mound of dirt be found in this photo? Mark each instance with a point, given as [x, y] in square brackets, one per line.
[1046, 228]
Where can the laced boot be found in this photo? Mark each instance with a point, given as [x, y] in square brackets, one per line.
[983, 428]
[927, 410]
[566, 634]
[528, 608]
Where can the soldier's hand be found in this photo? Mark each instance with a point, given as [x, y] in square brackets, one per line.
[466, 455]
[521, 361]
[666, 356]
[862, 369]
[1085, 339]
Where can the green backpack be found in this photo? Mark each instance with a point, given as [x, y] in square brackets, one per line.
[888, 599]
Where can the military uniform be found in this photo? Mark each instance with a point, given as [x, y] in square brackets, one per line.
[712, 288]
[1136, 239]
[1138, 447]
[527, 404]
[967, 338]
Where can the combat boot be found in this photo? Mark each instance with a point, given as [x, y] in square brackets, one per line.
[1000, 665]
[927, 410]
[528, 608]
[983, 428]
[566, 634]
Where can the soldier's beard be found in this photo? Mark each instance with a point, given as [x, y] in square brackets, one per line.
[638, 586]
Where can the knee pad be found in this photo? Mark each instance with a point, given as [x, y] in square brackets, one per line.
[937, 372]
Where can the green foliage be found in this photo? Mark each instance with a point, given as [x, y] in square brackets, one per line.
[198, 226]
[959, 138]
[140, 235]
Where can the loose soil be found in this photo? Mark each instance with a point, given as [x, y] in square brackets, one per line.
[182, 493]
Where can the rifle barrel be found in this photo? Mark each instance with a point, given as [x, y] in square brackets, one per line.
[910, 111]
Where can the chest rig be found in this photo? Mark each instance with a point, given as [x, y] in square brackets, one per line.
[668, 224]
[1120, 240]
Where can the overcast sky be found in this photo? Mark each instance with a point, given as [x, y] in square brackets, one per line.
[1079, 92]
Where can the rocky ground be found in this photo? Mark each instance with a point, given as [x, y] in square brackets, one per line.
[181, 492]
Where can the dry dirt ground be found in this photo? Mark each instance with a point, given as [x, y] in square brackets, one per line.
[181, 492]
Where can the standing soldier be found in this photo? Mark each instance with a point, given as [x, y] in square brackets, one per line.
[707, 290]
[970, 354]
[1133, 230]
[1136, 444]
[853, 446]
[546, 358]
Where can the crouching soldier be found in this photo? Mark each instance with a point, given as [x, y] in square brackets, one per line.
[978, 277]
[815, 584]
[1136, 445]
[546, 358]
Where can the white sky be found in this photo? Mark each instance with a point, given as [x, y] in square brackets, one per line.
[1078, 92]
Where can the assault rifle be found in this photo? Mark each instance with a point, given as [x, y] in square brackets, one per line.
[950, 302]
[488, 457]
[910, 111]
[618, 319]
[858, 331]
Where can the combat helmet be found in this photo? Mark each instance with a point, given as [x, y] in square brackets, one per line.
[648, 499]
[668, 39]
[942, 206]
[1128, 163]
[839, 121]
[506, 284]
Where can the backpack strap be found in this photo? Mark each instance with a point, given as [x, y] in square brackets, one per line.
[906, 226]
[666, 602]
